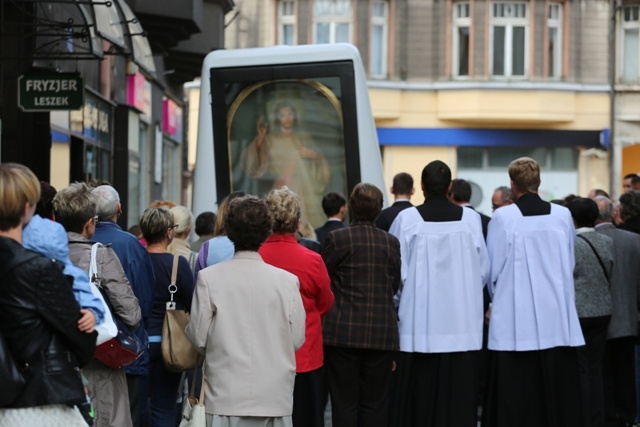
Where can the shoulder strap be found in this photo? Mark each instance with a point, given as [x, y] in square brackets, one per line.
[93, 265]
[604, 270]
[174, 270]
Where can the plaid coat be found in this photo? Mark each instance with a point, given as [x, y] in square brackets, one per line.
[364, 266]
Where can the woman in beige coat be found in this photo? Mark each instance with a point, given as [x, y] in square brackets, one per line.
[75, 209]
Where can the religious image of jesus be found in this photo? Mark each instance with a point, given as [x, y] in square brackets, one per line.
[290, 157]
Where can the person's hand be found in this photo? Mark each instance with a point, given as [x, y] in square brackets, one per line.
[261, 128]
[307, 153]
[487, 316]
[87, 322]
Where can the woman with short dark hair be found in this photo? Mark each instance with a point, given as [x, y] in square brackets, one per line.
[248, 319]
[591, 275]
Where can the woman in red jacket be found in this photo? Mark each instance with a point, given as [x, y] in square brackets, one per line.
[282, 250]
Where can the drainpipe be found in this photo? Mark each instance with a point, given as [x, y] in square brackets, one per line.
[615, 150]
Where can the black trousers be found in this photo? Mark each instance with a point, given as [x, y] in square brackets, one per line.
[590, 362]
[619, 381]
[309, 398]
[539, 388]
[436, 390]
[359, 384]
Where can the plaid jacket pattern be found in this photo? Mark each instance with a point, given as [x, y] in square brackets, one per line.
[364, 266]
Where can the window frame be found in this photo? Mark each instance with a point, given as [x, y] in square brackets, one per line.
[380, 21]
[556, 73]
[286, 20]
[333, 20]
[456, 23]
[509, 23]
[628, 25]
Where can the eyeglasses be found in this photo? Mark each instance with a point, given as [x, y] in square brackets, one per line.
[95, 219]
[174, 226]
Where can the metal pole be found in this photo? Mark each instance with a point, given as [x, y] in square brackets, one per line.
[615, 151]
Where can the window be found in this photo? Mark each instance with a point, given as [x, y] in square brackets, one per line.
[379, 35]
[287, 20]
[332, 21]
[461, 30]
[630, 43]
[499, 158]
[554, 43]
[509, 34]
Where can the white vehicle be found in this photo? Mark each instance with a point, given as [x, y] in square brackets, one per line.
[285, 115]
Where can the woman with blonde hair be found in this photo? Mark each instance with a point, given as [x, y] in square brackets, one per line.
[158, 228]
[183, 218]
[281, 249]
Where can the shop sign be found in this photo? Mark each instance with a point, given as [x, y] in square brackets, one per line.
[172, 119]
[139, 93]
[46, 92]
[93, 120]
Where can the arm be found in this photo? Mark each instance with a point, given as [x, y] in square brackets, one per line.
[324, 297]
[82, 292]
[496, 249]
[395, 265]
[185, 283]
[56, 304]
[297, 317]
[254, 159]
[116, 286]
[202, 316]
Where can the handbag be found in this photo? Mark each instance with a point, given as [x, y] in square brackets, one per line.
[117, 345]
[178, 353]
[193, 412]
[13, 381]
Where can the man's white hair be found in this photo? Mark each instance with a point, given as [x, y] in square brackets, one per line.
[107, 200]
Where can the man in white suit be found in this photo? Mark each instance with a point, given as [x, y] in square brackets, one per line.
[248, 318]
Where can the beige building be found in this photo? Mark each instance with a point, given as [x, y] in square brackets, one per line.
[477, 83]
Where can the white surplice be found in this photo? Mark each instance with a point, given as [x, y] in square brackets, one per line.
[532, 261]
[444, 268]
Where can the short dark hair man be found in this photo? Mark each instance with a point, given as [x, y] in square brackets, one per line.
[205, 227]
[460, 194]
[627, 181]
[440, 306]
[402, 190]
[334, 206]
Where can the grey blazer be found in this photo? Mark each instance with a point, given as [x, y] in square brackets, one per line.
[593, 298]
[625, 281]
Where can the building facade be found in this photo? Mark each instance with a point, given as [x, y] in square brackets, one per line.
[128, 61]
[477, 83]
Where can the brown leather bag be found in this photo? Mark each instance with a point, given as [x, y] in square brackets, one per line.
[178, 353]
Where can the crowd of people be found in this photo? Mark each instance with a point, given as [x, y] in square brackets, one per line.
[414, 315]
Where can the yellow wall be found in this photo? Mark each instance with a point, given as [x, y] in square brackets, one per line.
[630, 160]
[412, 160]
[490, 108]
[60, 165]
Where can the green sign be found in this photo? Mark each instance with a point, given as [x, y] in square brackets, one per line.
[46, 92]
